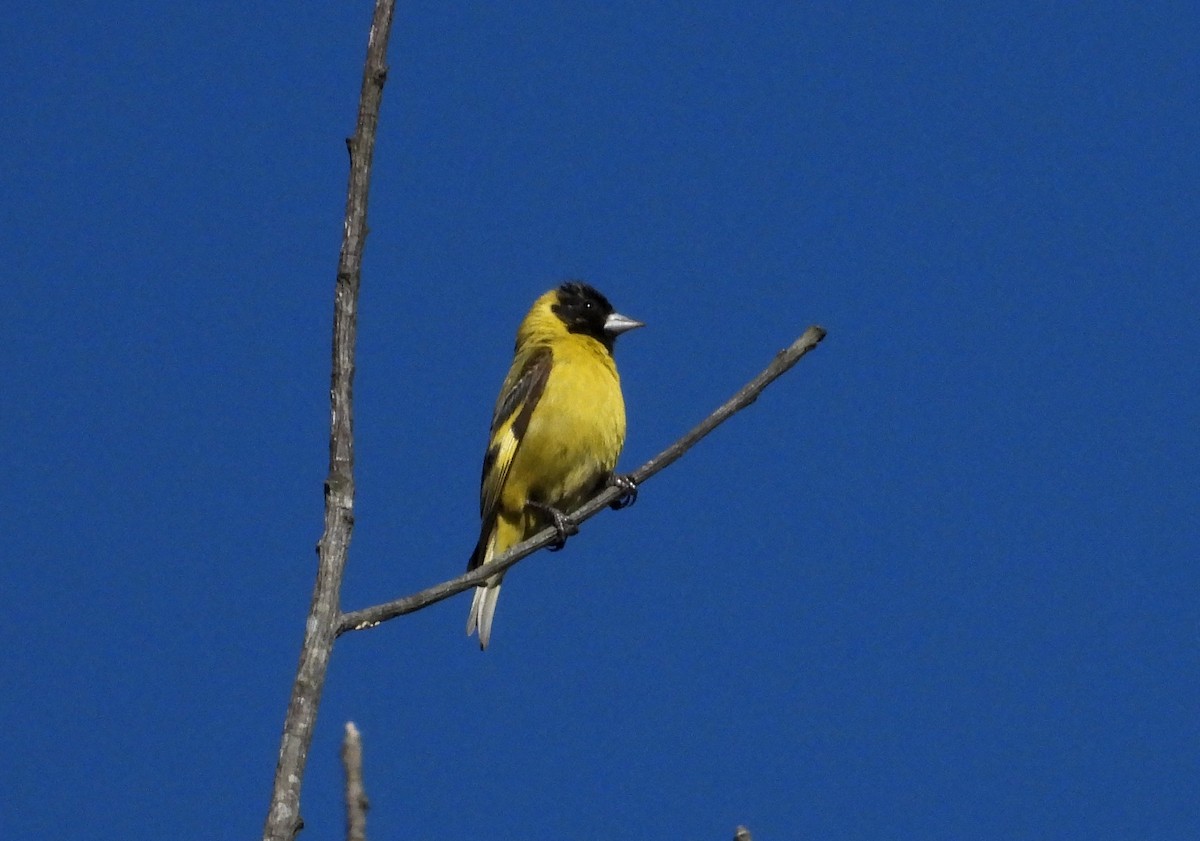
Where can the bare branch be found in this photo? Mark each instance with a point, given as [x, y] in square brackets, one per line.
[356, 795]
[283, 817]
[371, 616]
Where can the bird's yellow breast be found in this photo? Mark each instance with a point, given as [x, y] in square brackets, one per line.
[576, 433]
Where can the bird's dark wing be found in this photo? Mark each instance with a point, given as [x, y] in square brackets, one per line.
[522, 390]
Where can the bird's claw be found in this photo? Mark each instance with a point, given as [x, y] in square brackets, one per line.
[629, 492]
[563, 525]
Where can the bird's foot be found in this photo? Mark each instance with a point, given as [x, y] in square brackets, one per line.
[629, 492]
[563, 524]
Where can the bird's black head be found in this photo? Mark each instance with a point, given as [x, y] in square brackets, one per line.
[584, 310]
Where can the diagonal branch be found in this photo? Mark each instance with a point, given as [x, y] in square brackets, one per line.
[283, 816]
[369, 617]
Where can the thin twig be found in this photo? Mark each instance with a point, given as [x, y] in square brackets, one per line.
[283, 817]
[369, 617]
[356, 795]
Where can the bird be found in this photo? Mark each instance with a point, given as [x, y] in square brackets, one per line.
[557, 430]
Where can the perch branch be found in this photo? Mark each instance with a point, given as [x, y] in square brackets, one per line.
[283, 816]
[369, 617]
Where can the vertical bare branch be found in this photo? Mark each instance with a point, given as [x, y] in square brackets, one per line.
[356, 795]
[283, 817]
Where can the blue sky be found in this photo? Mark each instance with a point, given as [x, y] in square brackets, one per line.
[939, 582]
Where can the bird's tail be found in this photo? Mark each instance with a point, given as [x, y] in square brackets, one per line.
[483, 609]
[493, 541]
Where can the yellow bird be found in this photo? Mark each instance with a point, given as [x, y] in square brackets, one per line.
[557, 430]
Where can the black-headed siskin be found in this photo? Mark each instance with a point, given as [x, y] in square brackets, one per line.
[557, 430]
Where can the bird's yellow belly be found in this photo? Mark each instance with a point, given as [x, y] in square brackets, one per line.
[573, 439]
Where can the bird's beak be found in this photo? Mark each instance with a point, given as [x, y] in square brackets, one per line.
[616, 324]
